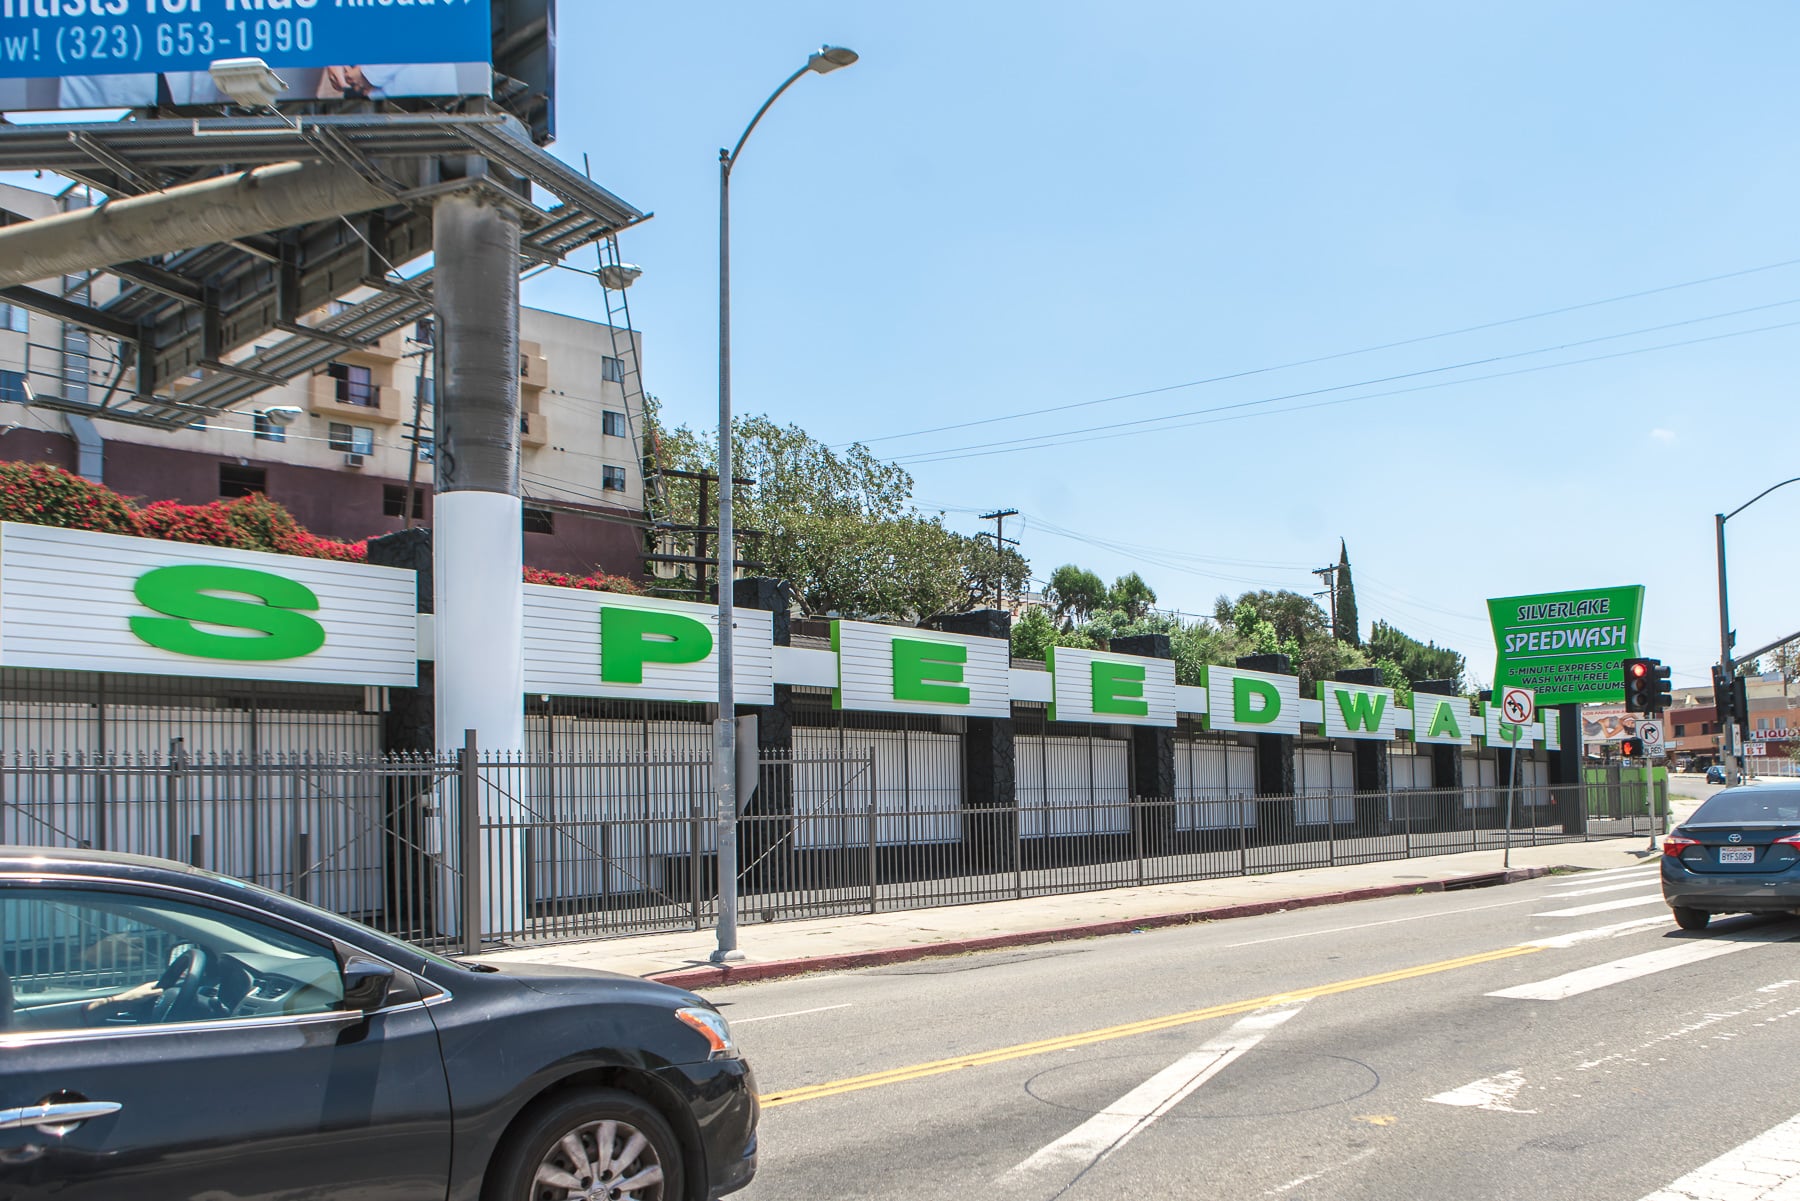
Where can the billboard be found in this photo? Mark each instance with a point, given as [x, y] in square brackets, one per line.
[1568, 646]
[57, 54]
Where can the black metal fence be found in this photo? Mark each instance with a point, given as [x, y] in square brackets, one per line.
[573, 847]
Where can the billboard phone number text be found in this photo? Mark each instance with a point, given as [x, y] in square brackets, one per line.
[104, 44]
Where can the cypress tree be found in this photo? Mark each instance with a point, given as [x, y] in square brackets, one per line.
[1347, 630]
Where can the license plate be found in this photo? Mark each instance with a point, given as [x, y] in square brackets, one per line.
[1737, 854]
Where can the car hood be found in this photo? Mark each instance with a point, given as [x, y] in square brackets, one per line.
[560, 978]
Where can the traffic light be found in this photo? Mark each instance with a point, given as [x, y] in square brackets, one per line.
[1631, 748]
[1640, 685]
[1731, 697]
[1740, 702]
[1662, 691]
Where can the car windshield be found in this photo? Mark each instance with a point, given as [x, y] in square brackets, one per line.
[1739, 805]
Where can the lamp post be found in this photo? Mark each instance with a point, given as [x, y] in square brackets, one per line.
[1728, 729]
[821, 62]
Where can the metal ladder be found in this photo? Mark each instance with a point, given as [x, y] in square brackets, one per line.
[631, 380]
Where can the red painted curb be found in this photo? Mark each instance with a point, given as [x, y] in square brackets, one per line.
[748, 973]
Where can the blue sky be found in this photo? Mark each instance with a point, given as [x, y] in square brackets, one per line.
[1007, 207]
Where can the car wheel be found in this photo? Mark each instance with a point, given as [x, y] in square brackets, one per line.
[1691, 919]
[591, 1145]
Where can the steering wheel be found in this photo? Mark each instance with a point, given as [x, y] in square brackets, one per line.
[180, 983]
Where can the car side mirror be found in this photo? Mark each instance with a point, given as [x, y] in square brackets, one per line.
[366, 985]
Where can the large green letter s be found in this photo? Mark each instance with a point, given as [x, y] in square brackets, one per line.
[182, 594]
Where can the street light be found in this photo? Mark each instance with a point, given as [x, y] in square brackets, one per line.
[1728, 729]
[822, 61]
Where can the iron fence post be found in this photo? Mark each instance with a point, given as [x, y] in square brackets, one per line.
[469, 828]
[1331, 828]
[694, 872]
[872, 819]
[300, 865]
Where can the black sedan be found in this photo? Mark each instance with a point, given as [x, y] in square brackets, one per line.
[1737, 854]
[169, 1033]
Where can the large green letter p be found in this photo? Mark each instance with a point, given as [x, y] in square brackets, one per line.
[630, 638]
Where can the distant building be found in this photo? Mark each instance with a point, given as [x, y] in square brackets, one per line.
[335, 447]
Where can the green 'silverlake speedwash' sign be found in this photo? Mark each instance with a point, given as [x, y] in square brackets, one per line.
[1567, 645]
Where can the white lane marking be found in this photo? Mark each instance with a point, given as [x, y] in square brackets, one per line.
[1603, 907]
[1766, 1168]
[1291, 1185]
[1646, 882]
[1559, 941]
[1392, 921]
[1495, 1094]
[1580, 878]
[769, 1017]
[1588, 979]
[1132, 1114]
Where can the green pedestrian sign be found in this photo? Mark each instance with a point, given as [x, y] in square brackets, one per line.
[1567, 646]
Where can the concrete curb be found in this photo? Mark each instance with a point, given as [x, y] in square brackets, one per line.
[748, 973]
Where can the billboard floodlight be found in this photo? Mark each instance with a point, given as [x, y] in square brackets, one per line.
[619, 276]
[248, 81]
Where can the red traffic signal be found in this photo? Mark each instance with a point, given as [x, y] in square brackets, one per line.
[1631, 748]
[1639, 668]
[1640, 685]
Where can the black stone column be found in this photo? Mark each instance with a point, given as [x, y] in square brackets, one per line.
[1152, 760]
[1446, 765]
[409, 727]
[1373, 780]
[766, 826]
[1274, 762]
[990, 797]
[1566, 783]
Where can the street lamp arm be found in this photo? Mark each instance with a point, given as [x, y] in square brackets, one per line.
[729, 160]
[1740, 508]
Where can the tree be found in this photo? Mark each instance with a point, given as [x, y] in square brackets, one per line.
[1347, 627]
[1130, 595]
[840, 527]
[1786, 661]
[1416, 660]
[1075, 593]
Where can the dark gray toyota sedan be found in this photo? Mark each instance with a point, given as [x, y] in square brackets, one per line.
[1737, 854]
[169, 1033]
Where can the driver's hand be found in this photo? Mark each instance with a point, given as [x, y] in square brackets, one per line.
[130, 998]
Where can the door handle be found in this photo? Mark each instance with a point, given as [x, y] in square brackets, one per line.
[56, 1117]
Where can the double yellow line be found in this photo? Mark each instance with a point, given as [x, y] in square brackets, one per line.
[939, 1067]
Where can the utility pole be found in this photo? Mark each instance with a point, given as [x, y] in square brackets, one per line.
[1328, 577]
[1001, 542]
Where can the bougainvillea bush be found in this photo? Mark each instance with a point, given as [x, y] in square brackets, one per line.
[41, 494]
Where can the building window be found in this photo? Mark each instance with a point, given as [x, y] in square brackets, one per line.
[539, 521]
[12, 387]
[612, 479]
[612, 370]
[393, 501]
[267, 430]
[1681, 731]
[612, 424]
[242, 481]
[357, 439]
[425, 332]
[355, 385]
[14, 318]
[1762, 723]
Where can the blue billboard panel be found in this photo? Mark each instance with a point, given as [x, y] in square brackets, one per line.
[136, 53]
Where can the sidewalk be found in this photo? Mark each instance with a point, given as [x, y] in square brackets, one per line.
[864, 940]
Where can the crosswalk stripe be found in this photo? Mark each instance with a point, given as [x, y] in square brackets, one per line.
[1646, 882]
[1580, 878]
[1598, 933]
[1603, 906]
[1587, 979]
[1763, 1169]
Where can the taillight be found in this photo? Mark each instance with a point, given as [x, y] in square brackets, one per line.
[1674, 844]
[1792, 840]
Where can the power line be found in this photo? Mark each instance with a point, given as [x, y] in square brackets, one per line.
[1342, 354]
[1068, 438]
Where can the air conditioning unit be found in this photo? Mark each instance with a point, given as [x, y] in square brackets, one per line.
[353, 460]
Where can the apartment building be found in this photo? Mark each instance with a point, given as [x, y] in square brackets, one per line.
[337, 447]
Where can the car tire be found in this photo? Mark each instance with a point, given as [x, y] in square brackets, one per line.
[536, 1164]
[1691, 919]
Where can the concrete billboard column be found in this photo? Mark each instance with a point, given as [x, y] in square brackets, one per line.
[990, 827]
[765, 836]
[1565, 772]
[477, 539]
[1274, 761]
[1152, 760]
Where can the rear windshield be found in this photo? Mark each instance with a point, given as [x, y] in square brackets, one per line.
[1750, 805]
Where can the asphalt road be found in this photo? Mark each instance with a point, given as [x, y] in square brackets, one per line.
[1355, 1052]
